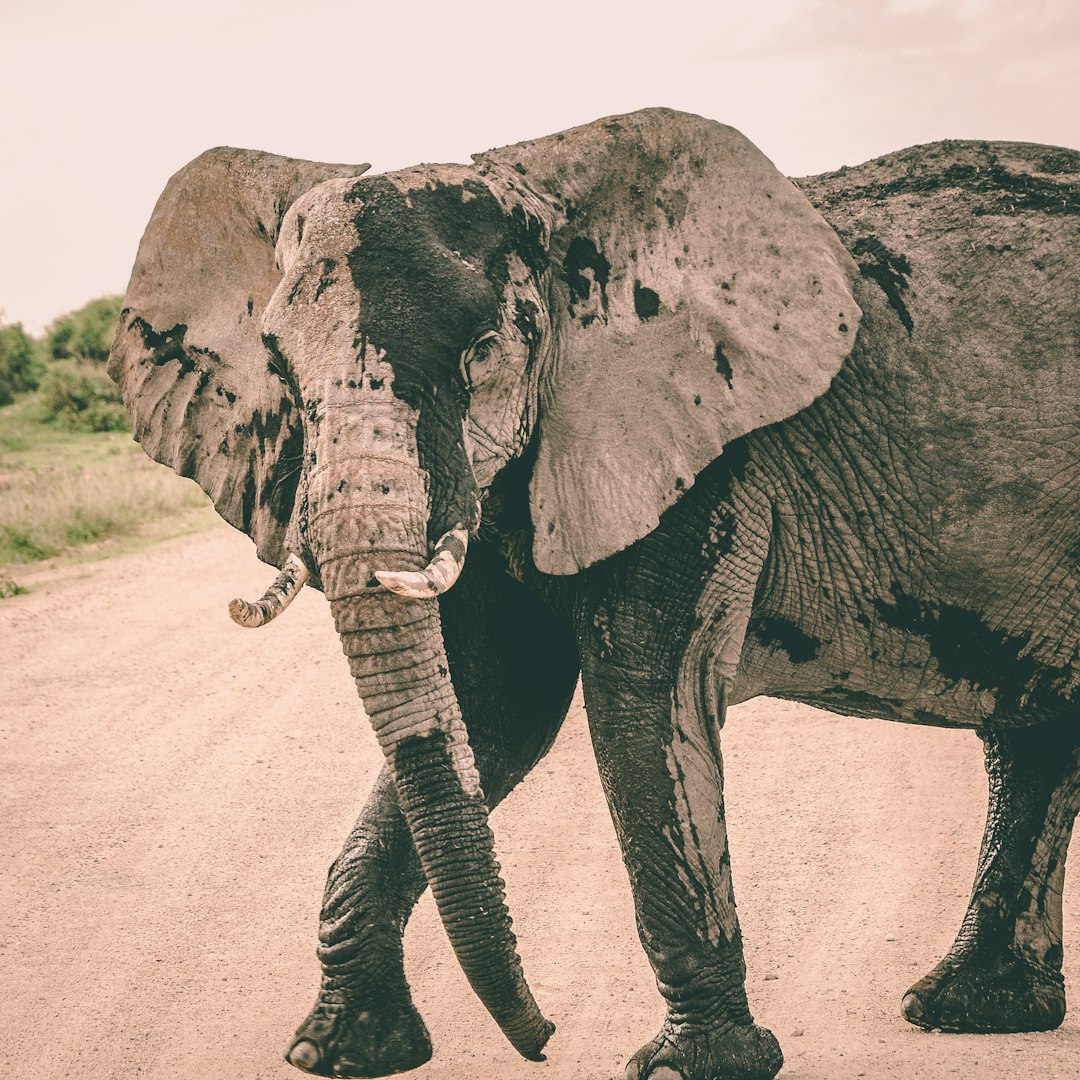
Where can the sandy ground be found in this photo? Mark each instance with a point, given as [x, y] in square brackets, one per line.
[174, 789]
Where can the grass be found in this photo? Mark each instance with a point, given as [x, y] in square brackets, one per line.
[61, 491]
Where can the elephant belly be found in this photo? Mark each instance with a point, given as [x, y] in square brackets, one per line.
[946, 678]
[901, 581]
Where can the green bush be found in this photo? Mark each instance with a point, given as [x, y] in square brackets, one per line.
[79, 396]
[20, 369]
[86, 333]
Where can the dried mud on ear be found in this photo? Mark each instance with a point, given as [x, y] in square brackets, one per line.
[700, 296]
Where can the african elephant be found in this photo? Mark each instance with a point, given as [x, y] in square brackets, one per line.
[706, 434]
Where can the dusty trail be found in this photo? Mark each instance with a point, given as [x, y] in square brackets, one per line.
[174, 788]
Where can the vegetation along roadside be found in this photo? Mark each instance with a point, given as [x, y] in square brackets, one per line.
[70, 475]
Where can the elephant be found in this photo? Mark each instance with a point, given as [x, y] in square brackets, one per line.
[625, 404]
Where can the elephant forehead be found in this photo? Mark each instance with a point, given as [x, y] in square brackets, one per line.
[432, 251]
[429, 268]
[362, 265]
[322, 218]
[453, 211]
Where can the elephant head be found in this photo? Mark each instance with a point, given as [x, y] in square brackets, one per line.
[345, 363]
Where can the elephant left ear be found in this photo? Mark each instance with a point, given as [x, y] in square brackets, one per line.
[697, 296]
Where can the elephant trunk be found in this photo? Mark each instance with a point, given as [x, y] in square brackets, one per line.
[396, 655]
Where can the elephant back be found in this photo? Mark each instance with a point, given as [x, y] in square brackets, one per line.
[955, 216]
[969, 259]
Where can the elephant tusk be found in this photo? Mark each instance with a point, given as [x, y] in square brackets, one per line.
[275, 600]
[439, 574]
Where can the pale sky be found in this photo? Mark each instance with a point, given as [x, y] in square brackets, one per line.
[102, 100]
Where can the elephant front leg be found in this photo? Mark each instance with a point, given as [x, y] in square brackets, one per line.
[663, 780]
[514, 666]
[1003, 973]
[364, 1022]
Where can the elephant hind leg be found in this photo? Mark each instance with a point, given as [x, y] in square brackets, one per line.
[1003, 972]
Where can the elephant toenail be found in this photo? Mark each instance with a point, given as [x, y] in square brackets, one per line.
[912, 1007]
[304, 1055]
[665, 1072]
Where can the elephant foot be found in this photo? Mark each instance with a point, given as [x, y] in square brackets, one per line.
[338, 1039]
[986, 991]
[732, 1052]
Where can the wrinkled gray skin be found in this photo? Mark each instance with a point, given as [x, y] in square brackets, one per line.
[715, 458]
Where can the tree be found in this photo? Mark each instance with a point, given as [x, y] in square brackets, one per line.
[77, 395]
[86, 333]
[20, 369]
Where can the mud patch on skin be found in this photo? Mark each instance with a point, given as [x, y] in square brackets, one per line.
[529, 241]
[276, 361]
[966, 649]
[1009, 192]
[971, 175]
[275, 489]
[646, 302]
[723, 365]
[468, 221]
[800, 647]
[278, 494]
[889, 271]
[327, 279]
[168, 346]
[429, 269]
[673, 204]
[581, 256]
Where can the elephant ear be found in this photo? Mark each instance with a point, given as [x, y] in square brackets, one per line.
[697, 295]
[189, 356]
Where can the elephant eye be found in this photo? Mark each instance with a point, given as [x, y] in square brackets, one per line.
[476, 355]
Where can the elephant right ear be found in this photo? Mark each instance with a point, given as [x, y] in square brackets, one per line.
[189, 356]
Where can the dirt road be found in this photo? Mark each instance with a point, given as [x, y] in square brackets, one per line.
[174, 788]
